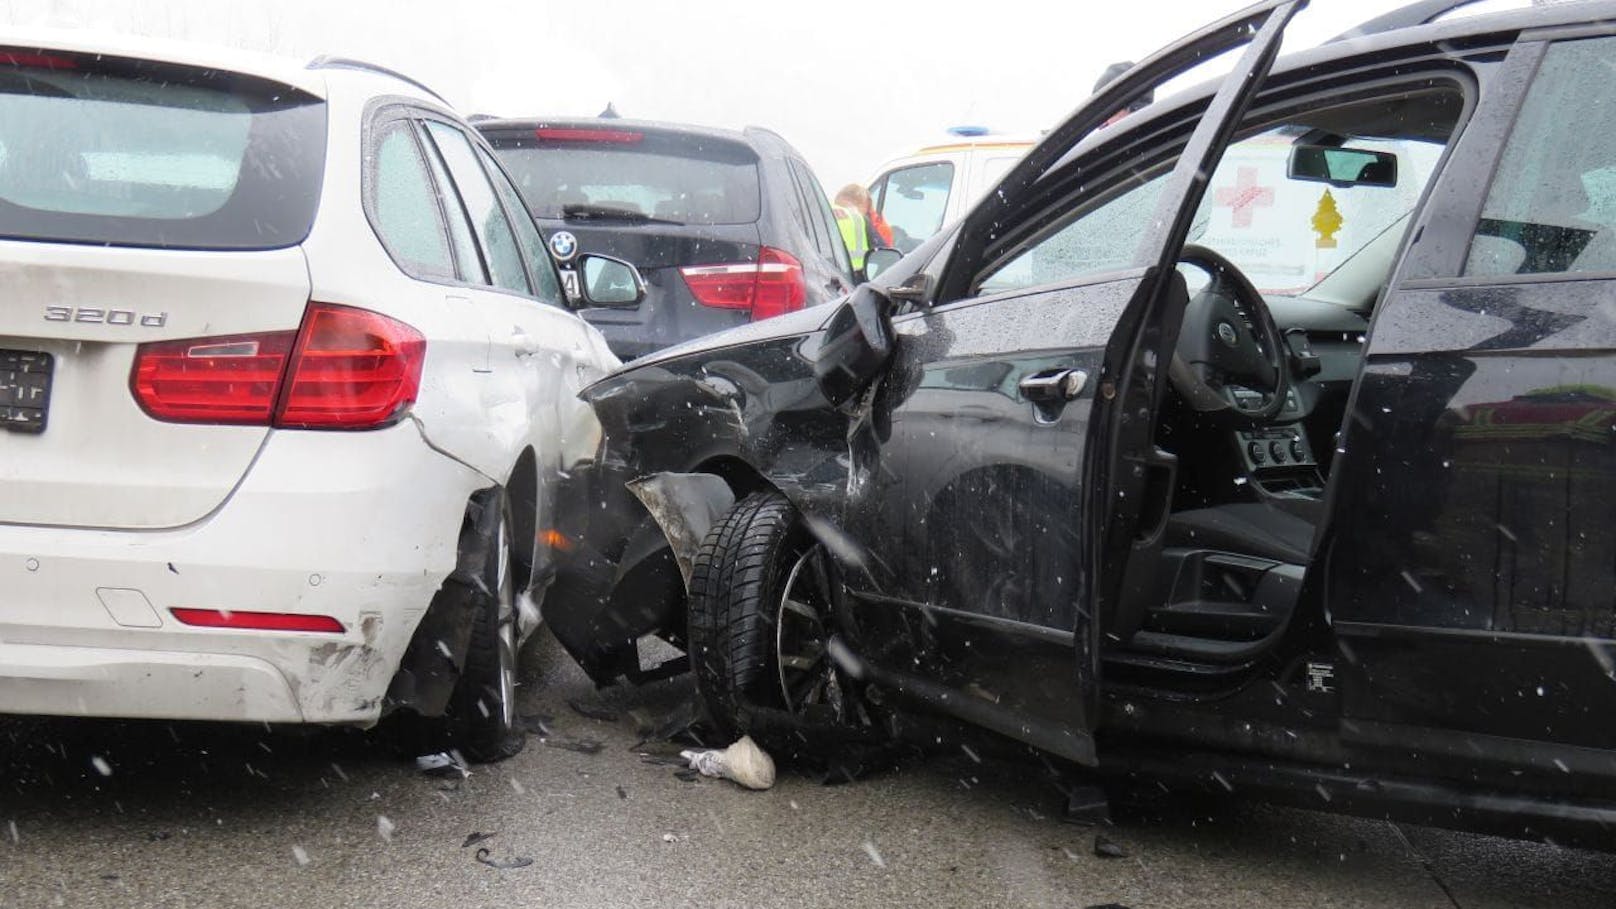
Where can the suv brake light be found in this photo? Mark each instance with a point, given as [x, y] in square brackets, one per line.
[345, 368]
[772, 285]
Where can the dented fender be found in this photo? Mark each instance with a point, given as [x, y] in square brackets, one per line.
[685, 506]
[436, 653]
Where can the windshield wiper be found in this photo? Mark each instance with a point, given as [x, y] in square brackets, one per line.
[581, 211]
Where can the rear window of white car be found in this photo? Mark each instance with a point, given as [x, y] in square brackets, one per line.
[134, 153]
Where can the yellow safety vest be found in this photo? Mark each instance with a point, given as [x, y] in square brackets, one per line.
[854, 235]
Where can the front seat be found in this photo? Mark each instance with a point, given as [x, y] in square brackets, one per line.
[1244, 528]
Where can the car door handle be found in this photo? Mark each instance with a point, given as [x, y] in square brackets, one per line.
[1054, 386]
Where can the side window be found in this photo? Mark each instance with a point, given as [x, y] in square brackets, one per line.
[1099, 240]
[499, 246]
[1552, 205]
[546, 285]
[914, 200]
[807, 215]
[878, 191]
[404, 205]
[468, 259]
[827, 221]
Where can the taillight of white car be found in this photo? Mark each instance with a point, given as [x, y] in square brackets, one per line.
[345, 368]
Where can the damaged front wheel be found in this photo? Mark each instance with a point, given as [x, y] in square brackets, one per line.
[762, 618]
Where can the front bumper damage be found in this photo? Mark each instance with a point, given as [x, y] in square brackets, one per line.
[632, 541]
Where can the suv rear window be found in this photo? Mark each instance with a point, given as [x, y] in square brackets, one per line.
[134, 153]
[688, 179]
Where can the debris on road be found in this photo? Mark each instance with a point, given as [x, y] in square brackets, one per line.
[1104, 848]
[744, 762]
[582, 746]
[594, 711]
[622, 793]
[673, 726]
[537, 723]
[444, 765]
[475, 837]
[486, 857]
[1087, 806]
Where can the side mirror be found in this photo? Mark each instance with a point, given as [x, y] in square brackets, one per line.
[609, 282]
[857, 343]
[1342, 166]
[879, 260]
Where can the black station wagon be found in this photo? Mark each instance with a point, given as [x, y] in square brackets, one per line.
[1319, 513]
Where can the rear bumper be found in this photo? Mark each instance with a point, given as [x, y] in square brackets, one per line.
[358, 526]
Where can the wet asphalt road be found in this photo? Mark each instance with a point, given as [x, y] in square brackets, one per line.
[215, 817]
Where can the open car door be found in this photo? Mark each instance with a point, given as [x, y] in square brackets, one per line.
[1006, 473]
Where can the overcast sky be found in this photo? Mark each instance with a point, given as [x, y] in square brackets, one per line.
[849, 84]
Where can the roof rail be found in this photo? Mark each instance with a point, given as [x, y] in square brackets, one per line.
[1420, 13]
[325, 61]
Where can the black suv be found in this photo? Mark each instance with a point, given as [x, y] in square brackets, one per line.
[1321, 516]
[727, 227]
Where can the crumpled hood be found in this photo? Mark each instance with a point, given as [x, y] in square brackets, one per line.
[791, 325]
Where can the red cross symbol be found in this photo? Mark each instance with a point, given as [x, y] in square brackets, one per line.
[1244, 194]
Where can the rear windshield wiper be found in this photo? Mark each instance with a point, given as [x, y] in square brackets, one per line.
[586, 212]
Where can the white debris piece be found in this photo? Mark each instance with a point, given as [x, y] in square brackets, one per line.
[443, 764]
[744, 762]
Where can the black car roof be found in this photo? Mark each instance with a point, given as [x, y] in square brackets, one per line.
[1388, 33]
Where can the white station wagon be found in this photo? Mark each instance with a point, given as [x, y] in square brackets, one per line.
[287, 387]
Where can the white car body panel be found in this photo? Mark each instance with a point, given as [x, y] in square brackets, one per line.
[69, 476]
[322, 524]
[360, 526]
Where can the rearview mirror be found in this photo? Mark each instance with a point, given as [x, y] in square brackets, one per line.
[1342, 166]
[609, 282]
[879, 260]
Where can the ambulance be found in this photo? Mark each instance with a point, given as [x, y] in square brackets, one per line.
[1287, 233]
[920, 192]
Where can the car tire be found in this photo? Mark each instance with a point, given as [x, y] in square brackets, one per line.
[482, 710]
[761, 661]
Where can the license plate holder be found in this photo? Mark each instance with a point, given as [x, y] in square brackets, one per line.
[25, 384]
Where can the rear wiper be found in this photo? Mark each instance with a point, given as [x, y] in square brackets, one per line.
[584, 212]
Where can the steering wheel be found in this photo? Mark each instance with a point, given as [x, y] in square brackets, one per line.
[1217, 349]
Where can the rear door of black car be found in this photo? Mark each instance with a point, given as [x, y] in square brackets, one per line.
[1472, 559]
[1003, 463]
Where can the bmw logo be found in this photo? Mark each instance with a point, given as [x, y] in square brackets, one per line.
[1226, 332]
[563, 245]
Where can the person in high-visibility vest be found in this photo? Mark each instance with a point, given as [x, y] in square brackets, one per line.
[851, 203]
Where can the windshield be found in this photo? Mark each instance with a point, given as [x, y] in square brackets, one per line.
[1285, 234]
